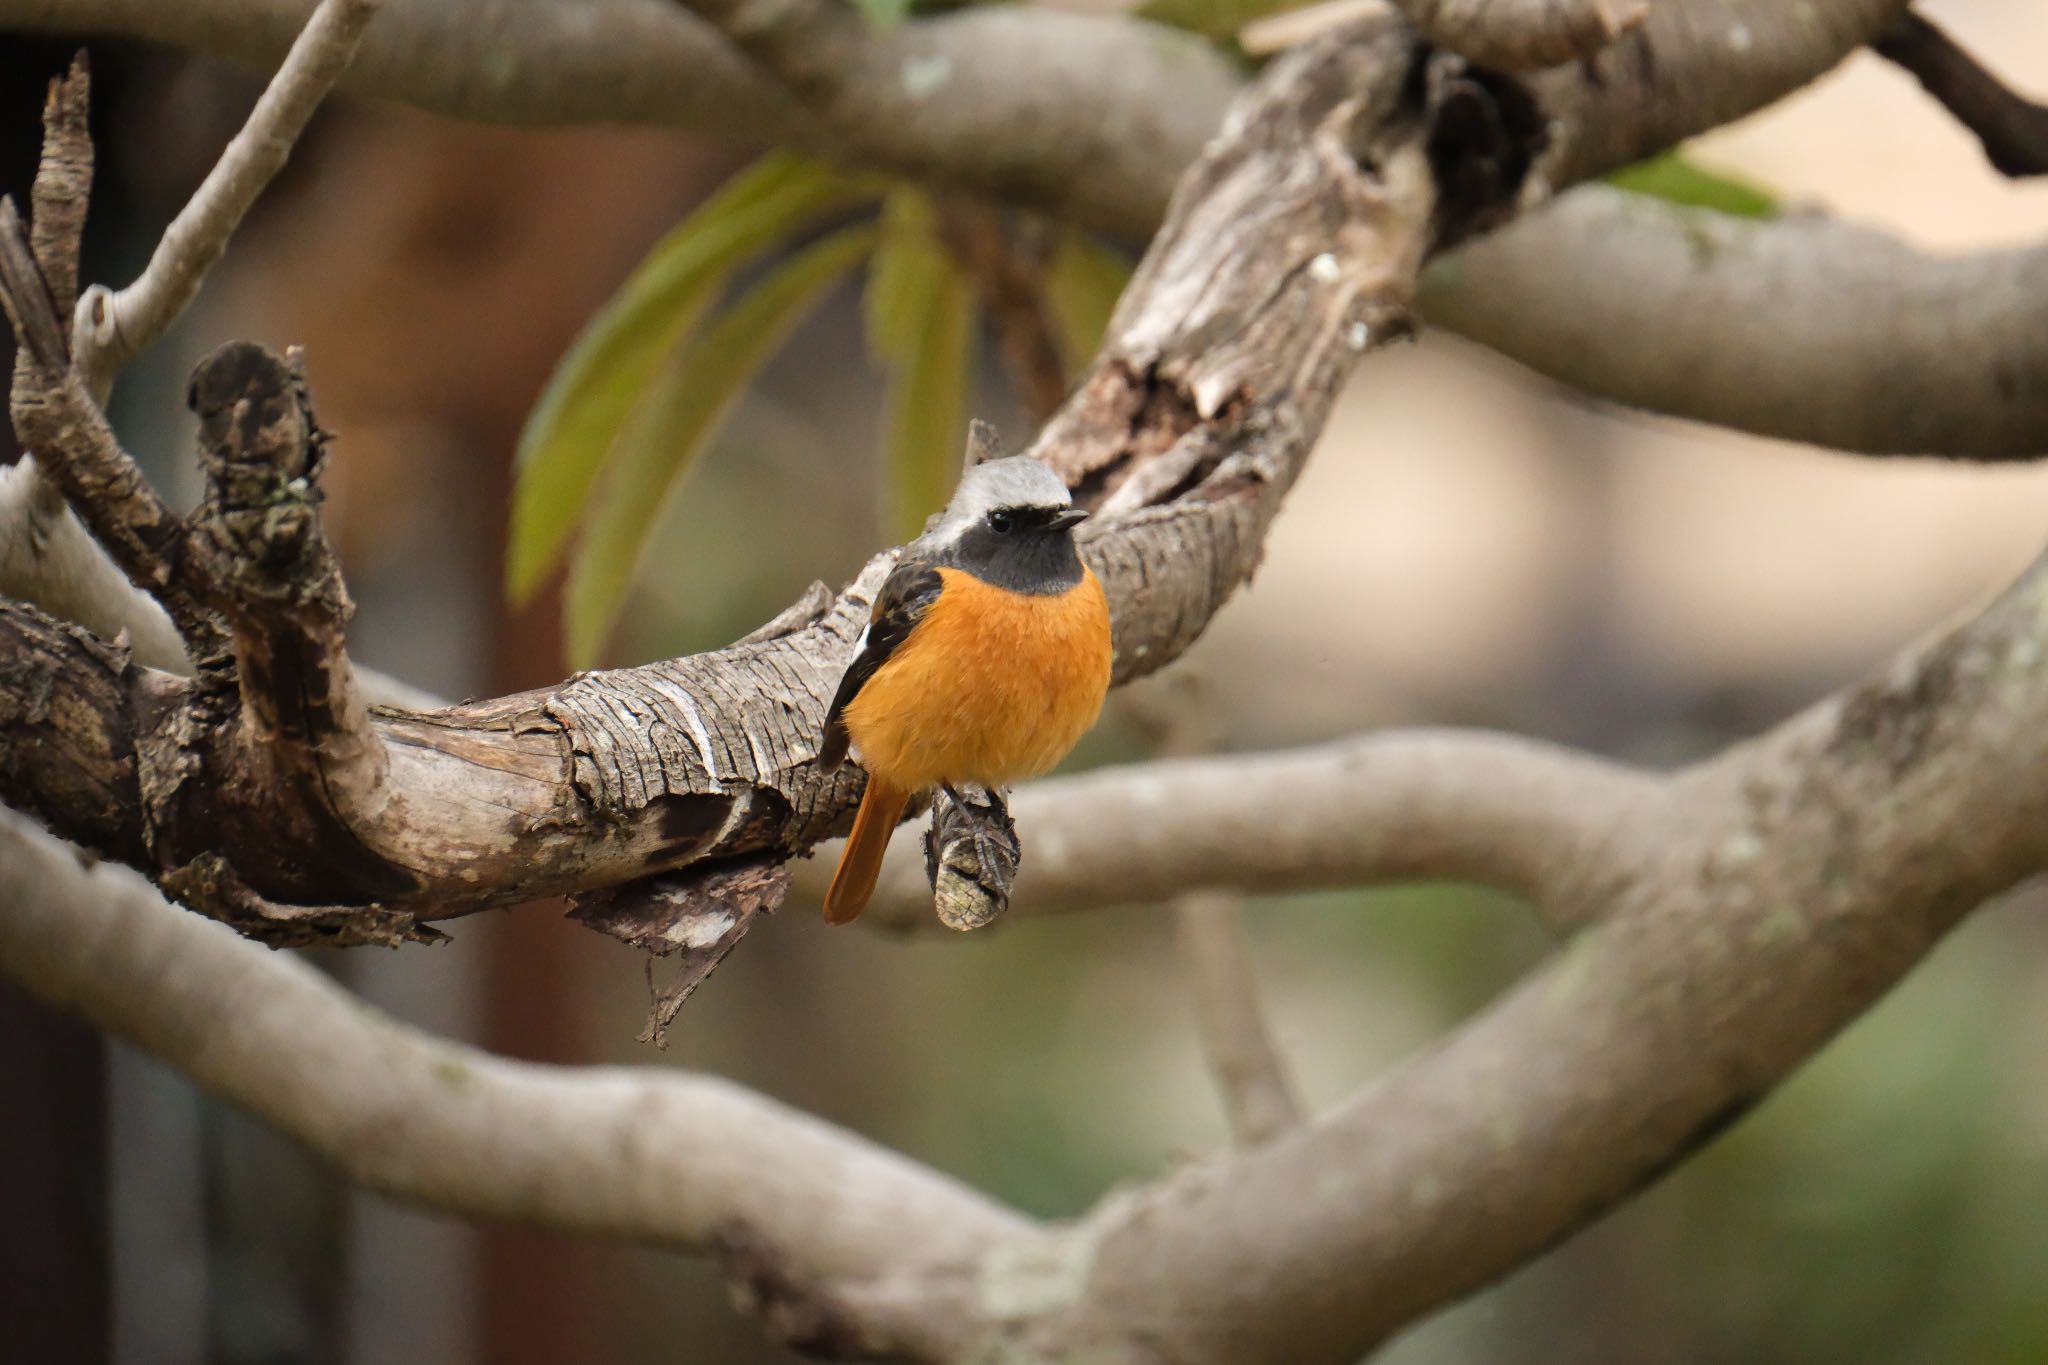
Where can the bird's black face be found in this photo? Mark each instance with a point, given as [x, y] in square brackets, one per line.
[1024, 549]
[1020, 521]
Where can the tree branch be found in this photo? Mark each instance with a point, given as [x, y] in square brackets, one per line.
[1092, 119]
[59, 421]
[1291, 249]
[1769, 896]
[2014, 130]
[111, 328]
[613, 777]
[1850, 338]
[1081, 116]
[667, 1157]
[1401, 805]
[1796, 878]
[1524, 34]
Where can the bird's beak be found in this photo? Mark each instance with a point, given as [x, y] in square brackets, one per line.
[1072, 516]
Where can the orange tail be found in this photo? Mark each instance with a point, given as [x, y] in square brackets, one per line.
[881, 806]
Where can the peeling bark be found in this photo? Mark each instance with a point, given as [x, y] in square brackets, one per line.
[1292, 248]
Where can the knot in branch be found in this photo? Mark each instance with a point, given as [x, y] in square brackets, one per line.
[971, 855]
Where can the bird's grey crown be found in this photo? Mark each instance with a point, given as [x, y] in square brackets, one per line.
[1018, 481]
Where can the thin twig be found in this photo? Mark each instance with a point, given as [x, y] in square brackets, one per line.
[63, 184]
[25, 293]
[81, 455]
[57, 419]
[57, 208]
[2013, 129]
[110, 328]
[1260, 1098]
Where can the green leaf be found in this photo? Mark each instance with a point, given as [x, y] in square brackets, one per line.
[884, 14]
[921, 325]
[684, 407]
[1083, 282]
[594, 389]
[1219, 19]
[1672, 178]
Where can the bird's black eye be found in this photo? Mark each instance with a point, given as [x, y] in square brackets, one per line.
[1001, 521]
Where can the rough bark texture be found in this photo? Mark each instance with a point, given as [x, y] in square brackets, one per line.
[1524, 33]
[1092, 119]
[1730, 917]
[1291, 250]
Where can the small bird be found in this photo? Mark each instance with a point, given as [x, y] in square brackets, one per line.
[986, 658]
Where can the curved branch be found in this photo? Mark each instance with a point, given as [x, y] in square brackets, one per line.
[1093, 119]
[1848, 337]
[1292, 247]
[1793, 881]
[111, 327]
[1773, 893]
[666, 1156]
[1085, 117]
[1694, 65]
[1516, 814]
[1524, 33]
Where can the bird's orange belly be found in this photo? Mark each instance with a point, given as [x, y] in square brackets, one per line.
[991, 687]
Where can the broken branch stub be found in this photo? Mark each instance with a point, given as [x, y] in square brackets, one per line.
[696, 915]
[1291, 250]
[971, 852]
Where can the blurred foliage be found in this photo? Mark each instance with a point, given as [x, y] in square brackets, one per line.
[676, 417]
[885, 14]
[1676, 180]
[922, 327]
[605, 375]
[1083, 281]
[648, 386]
[1217, 19]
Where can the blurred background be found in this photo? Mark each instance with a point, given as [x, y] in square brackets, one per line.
[1468, 546]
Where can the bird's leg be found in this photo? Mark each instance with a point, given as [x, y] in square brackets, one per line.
[985, 845]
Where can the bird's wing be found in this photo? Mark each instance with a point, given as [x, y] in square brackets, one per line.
[907, 594]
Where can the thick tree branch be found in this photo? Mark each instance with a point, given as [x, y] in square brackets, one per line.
[1692, 65]
[1401, 805]
[666, 1157]
[1797, 878]
[1197, 419]
[1524, 33]
[1775, 891]
[111, 327]
[2013, 129]
[1088, 118]
[1291, 249]
[1849, 337]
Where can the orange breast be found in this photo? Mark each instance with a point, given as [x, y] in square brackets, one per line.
[991, 687]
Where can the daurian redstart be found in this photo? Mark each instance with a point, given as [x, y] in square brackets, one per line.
[986, 658]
